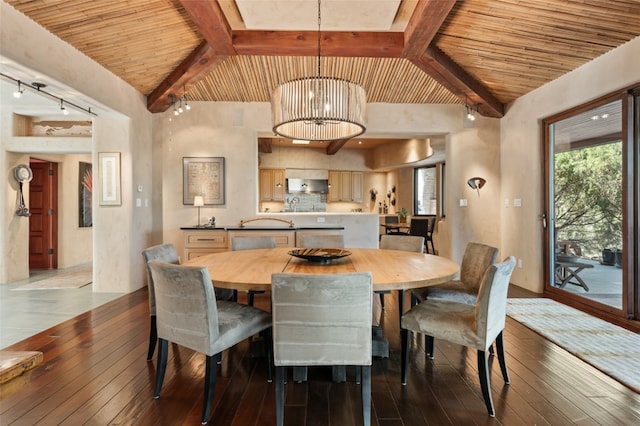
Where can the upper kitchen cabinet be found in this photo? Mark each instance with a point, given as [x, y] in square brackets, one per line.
[346, 186]
[272, 185]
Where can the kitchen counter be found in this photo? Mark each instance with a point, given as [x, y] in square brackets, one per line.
[264, 228]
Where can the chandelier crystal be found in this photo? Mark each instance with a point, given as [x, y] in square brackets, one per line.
[318, 108]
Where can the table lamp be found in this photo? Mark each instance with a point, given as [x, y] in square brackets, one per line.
[198, 201]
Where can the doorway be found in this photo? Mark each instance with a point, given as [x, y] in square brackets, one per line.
[43, 223]
[591, 236]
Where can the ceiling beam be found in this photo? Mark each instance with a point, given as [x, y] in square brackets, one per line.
[452, 76]
[425, 22]
[212, 24]
[305, 43]
[194, 68]
[265, 145]
[334, 146]
[216, 47]
[420, 49]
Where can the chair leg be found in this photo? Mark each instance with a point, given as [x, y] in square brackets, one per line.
[400, 304]
[429, 346]
[485, 383]
[280, 373]
[210, 374]
[382, 300]
[163, 348]
[268, 341]
[501, 358]
[250, 296]
[366, 394]
[406, 341]
[153, 338]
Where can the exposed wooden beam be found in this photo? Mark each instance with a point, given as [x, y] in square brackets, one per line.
[334, 146]
[215, 29]
[212, 24]
[420, 49]
[265, 146]
[426, 20]
[452, 76]
[195, 67]
[305, 43]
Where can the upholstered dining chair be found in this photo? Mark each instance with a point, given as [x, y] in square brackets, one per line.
[400, 242]
[189, 315]
[322, 320]
[251, 243]
[476, 259]
[166, 253]
[475, 326]
[320, 241]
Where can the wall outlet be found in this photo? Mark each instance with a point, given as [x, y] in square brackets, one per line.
[320, 219]
[520, 263]
[463, 202]
[517, 202]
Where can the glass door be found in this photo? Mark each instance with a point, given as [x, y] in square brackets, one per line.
[590, 200]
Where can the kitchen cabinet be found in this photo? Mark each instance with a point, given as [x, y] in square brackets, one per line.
[284, 238]
[269, 189]
[198, 242]
[346, 186]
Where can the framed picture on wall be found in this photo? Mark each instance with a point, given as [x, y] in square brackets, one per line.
[109, 167]
[203, 176]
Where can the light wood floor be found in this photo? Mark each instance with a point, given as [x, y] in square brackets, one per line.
[95, 372]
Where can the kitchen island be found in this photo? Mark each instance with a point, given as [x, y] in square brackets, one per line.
[359, 230]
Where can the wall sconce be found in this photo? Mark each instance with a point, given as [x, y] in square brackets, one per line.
[198, 201]
[476, 183]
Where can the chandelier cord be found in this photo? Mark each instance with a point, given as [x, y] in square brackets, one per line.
[319, 22]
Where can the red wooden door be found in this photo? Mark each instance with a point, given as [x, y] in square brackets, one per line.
[43, 223]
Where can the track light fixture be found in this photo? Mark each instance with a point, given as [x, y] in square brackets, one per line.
[471, 116]
[176, 103]
[38, 87]
[18, 93]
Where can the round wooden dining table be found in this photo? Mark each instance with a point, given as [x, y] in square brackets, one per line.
[390, 269]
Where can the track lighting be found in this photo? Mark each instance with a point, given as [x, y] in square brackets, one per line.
[178, 109]
[39, 87]
[18, 93]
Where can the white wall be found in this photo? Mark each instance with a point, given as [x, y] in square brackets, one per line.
[521, 150]
[209, 130]
[124, 125]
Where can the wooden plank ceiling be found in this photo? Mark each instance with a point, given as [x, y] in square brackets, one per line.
[486, 53]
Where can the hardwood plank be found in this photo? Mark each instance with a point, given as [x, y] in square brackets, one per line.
[95, 372]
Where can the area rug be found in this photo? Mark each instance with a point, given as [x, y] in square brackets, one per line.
[72, 279]
[608, 347]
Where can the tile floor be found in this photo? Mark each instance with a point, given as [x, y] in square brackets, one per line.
[27, 312]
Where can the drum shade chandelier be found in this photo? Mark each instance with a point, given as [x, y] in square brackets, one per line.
[318, 108]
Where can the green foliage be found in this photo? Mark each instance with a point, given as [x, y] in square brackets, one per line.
[403, 212]
[588, 197]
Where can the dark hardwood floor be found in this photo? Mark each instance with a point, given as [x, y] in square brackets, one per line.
[95, 372]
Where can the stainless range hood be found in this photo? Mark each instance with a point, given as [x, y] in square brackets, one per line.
[307, 186]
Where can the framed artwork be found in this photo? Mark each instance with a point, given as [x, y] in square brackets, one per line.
[109, 169]
[85, 190]
[203, 176]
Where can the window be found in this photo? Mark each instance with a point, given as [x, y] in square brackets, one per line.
[428, 195]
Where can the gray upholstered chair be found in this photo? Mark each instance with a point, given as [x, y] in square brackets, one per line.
[189, 315]
[321, 320]
[477, 258]
[400, 242]
[320, 241]
[166, 253]
[252, 243]
[475, 326]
